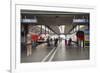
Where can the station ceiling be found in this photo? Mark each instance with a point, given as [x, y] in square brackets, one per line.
[54, 19]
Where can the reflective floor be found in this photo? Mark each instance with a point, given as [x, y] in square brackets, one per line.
[44, 53]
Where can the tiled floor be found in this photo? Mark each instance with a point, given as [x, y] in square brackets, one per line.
[65, 53]
[51, 53]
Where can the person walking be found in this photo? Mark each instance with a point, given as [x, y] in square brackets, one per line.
[48, 41]
[29, 44]
[69, 42]
[65, 42]
[51, 43]
[56, 42]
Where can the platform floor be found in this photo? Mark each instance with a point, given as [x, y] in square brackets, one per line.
[44, 53]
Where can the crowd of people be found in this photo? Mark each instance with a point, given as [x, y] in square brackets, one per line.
[68, 42]
[55, 41]
[51, 41]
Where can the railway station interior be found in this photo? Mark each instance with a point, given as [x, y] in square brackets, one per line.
[50, 36]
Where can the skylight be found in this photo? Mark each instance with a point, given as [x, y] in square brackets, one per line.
[62, 28]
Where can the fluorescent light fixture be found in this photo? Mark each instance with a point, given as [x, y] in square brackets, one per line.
[43, 27]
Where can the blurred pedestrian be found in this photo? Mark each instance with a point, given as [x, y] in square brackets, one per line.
[65, 42]
[56, 42]
[29, 44]
[69, 42]
[48, 41]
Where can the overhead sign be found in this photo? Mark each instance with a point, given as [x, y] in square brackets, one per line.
[80, 20]
[29, 20]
